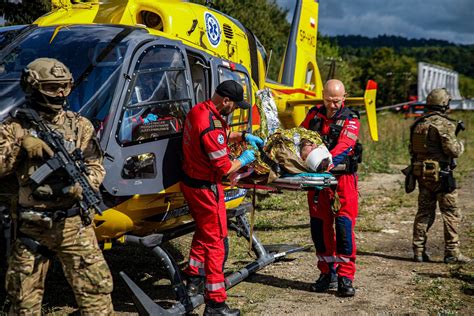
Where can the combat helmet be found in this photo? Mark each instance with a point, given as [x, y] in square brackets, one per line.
[438, 99]
[47, 82]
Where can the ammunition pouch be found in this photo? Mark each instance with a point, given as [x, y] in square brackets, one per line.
[410, 179]
[427, 170]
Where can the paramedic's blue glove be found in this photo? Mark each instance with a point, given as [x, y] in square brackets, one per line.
[247, 157]
[253, 140]
[150, 118]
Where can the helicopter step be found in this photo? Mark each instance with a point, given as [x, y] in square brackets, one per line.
[237, 221]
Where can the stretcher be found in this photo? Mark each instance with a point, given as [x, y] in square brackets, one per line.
[300, 181]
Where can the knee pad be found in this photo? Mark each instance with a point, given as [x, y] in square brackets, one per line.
[317, 234]
[344, 235]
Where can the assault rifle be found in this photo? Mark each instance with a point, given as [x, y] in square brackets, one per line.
[72, 164]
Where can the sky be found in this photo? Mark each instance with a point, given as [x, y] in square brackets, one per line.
[450, 20]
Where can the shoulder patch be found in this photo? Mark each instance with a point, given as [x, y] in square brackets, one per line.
[217, 123]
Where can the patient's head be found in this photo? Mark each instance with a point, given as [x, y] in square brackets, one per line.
[316, 157]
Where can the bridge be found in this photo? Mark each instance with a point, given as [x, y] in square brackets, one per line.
[432, 76]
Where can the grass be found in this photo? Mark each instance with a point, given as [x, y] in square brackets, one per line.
[437, 294]
[392, 147]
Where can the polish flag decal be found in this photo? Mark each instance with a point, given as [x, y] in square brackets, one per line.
[312, 22]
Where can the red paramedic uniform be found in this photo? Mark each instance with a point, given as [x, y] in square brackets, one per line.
[336, 251]
[206, 160]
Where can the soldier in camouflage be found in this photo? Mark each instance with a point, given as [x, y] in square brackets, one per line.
[49, 219]
[433, 147]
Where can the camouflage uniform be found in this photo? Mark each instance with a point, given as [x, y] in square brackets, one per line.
[433, 139]
[74, 244]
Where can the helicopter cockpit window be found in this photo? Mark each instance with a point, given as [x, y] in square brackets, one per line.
[8, 33]
[239, 119]
[93, 53]
[158, 98]
[199, 75]
[142, 166]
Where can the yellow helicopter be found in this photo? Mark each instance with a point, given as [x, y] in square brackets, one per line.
[139, 66]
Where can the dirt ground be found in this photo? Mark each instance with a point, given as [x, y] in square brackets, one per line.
[387, 281]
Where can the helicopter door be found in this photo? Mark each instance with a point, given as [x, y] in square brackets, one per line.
[143, 155]
[240, 119]
[200, 76]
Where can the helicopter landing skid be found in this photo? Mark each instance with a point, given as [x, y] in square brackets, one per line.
[237, 221]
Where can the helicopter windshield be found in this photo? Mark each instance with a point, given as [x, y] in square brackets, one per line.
[159, 98]
[8, 34]
[94, 54]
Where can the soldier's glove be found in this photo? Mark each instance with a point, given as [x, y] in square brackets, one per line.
[253, 140]
[75, 191]
[35, 147]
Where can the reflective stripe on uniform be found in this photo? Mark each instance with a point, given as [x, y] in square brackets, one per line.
[328, 259]
[215, 286]
[218, 154]
[351, 135]
[195, 263]
[331, 259]
[342, 259]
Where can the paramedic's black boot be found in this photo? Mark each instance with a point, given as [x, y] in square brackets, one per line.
[344, 287]
[214, 308]
[195, 285]
[325, 283]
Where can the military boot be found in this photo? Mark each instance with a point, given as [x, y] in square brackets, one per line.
[344, 287]
[195, 285]
[214, 308]
[325, 283]
[460, 258]
[421, 257]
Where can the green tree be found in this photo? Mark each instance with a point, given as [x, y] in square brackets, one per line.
[392, 72]
[265, 19]
[345, 68]
[25, 12]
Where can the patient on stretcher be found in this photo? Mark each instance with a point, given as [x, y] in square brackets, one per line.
[290, 151]
[286, 151]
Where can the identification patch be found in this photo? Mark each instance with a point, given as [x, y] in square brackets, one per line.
[213, 29]
[220, 139]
